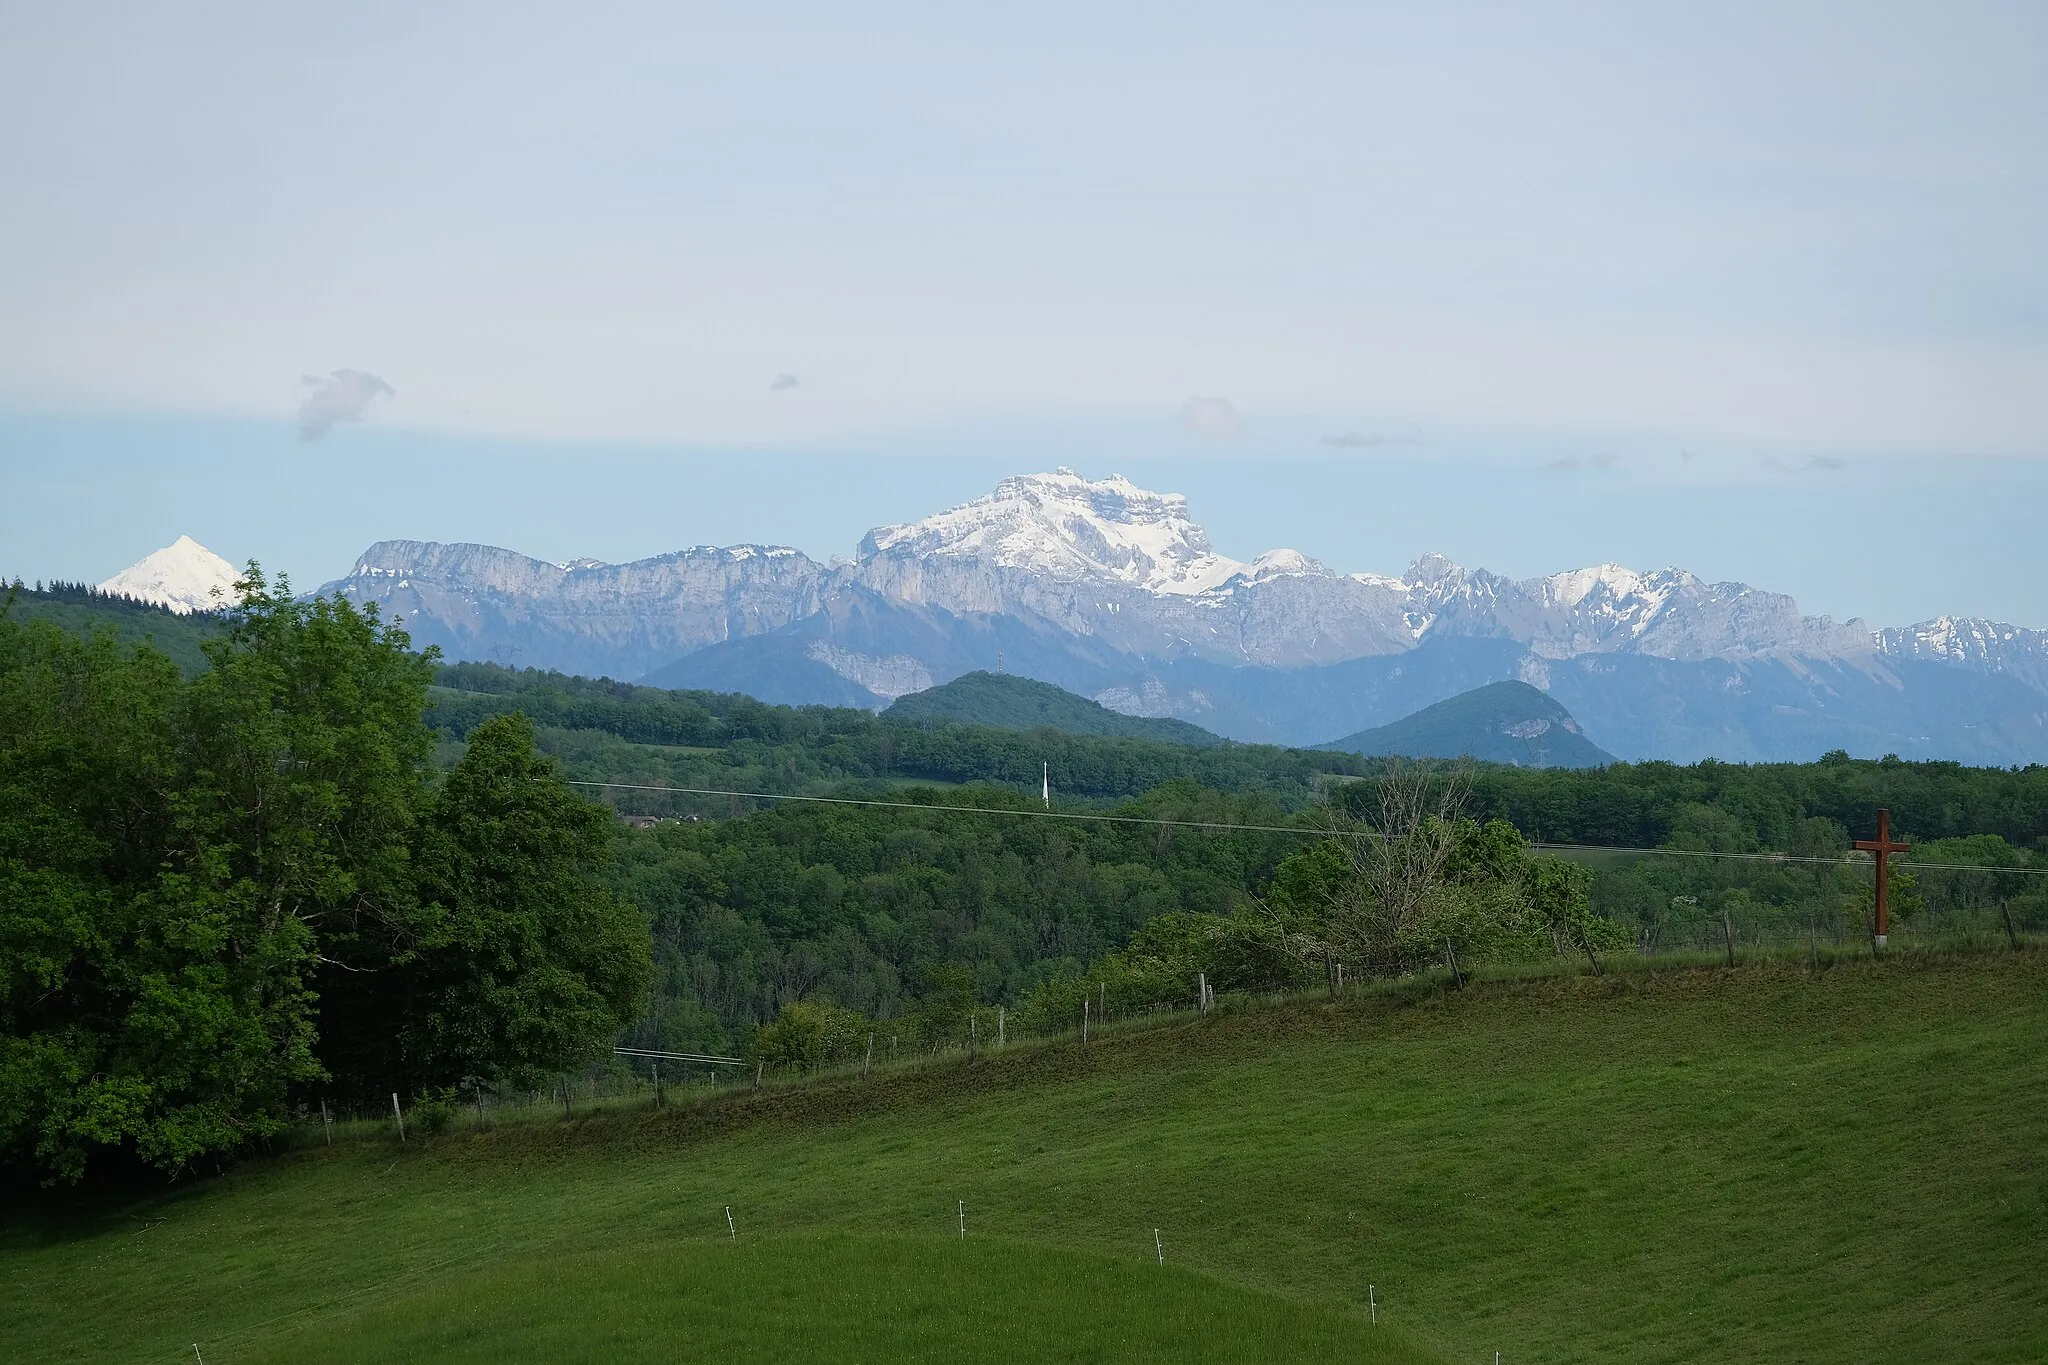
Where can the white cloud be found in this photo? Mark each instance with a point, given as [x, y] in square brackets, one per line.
[343, 396]
[1211, 418]
[781, 382]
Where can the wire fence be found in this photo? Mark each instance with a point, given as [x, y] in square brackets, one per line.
[626, 1084]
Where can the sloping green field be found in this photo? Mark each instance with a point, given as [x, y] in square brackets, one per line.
[1764, 1164]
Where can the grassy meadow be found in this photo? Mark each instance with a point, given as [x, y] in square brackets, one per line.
[1660, 1164]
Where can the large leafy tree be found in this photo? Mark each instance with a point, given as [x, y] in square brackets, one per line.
[216, 893]
[519, 960]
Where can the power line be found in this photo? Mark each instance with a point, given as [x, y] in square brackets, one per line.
[1309, 831]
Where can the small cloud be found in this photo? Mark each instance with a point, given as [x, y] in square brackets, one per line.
[1811, 464]
[1364, 440]
[343, 396]
[1570, 462]
[1212, 418]
[781, 382]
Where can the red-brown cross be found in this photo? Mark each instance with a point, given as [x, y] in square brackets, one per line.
[1881, 848]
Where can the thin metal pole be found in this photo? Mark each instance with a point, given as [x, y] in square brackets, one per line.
[398, 1114]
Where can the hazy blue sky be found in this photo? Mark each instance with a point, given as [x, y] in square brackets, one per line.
[1759, 289]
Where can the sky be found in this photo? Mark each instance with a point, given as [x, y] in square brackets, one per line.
[1757, 290]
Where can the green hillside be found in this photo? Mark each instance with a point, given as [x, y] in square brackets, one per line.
[1503, 722]
[1770, 1163]
[1013, 703]
[81, 612]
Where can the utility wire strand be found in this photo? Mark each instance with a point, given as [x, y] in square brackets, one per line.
[1309, 831]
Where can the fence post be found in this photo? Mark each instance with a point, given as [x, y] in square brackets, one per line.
[1000, 1038]
[326, 1123]
[760, 1065]
[1728, 933]
[398, 1114]
[1084, 1018]
[868, 1062]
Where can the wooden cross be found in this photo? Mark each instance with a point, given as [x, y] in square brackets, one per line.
[1881, 848]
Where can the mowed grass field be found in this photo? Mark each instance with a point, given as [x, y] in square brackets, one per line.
[1768, 1163]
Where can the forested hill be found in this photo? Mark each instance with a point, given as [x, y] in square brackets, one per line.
[1504, 722]
[1009, 702]
[646, 737]
[615, 732]
[601, 730]
[80, 609]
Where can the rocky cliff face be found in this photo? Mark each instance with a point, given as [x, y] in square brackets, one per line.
[620, 620]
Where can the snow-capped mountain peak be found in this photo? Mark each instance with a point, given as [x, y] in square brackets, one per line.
[1284, 564]
[1574, 586]
[1071, 528]
[184, 576]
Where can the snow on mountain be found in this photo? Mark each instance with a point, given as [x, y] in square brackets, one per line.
[1066, 526]
[1115, 591]
[1974, 643]
[184, 576]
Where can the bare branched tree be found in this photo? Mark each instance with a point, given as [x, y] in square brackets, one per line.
[1398, 854]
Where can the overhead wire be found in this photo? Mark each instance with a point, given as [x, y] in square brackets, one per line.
[1311, 831]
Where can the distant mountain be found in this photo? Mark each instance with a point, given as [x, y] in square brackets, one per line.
[1114, 592]
[184, 576]
[1013, 703]
[1503, 722]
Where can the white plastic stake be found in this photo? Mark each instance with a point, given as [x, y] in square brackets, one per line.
[731, 1230]
[963, 1220]
[1158, 1247]
[999, 1025]
[1372, 1305]
[398, 1114]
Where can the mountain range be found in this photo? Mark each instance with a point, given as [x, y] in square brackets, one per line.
[1114, 592]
